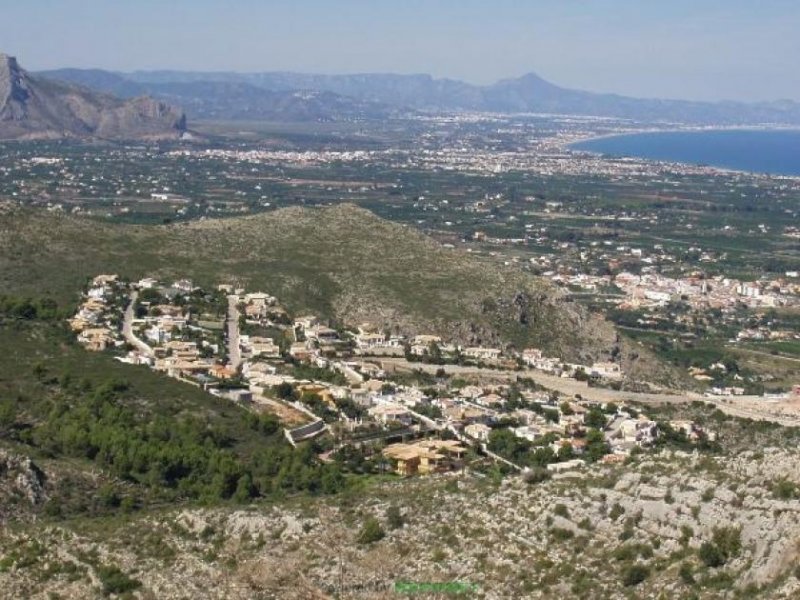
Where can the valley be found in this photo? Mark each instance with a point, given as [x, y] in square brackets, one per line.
[385, 336]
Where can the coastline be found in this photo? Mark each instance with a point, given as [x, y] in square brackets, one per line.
[570, 145]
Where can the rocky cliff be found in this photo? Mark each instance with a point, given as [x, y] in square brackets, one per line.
[33, 108]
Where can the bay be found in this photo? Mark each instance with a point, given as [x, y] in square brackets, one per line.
[775, 152]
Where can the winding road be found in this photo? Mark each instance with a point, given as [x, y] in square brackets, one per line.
[127, 328]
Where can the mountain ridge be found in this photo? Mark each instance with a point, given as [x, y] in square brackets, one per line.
[422, 92]
[33, 107]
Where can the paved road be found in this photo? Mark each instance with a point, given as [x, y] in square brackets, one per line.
[127, 328]
[753, 407]
[234, 349]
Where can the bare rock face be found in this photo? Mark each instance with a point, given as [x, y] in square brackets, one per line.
[33, 107]
[21, 483]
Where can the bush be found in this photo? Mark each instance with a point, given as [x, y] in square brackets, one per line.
[108, 496]
[186, 456]
[561, 535]
[686, 573]
[394, 517]
[114, 581]
[536, 475]
[708, 494]
[785, 490]
[726, 543]
[729, 540]
[371, 532]
[634, 574]
[629, 552]
[616, 511]
[687, 533]
[710, 555]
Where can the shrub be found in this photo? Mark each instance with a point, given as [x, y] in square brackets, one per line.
[394, 517]
[561, 535]
[687, 533]
[710, 555]
[686, 573]
[451, 486]
[629, 552]
[371, 531]
[616, 511]
[728, 540]
[115, 581]
[128, 504]
[625, 553]
[108, 496]
[634, 574]
[536, 475]
[626, 533]
[785, 490]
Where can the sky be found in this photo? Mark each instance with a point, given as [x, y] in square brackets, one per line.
[689, 49]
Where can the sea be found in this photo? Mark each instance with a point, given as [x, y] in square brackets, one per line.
[773, 152]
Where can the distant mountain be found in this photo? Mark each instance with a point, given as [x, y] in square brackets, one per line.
[220, 97]
[36, 107]
[531, 93]
[249, 95]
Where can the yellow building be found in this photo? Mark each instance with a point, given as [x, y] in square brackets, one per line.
[424, 457]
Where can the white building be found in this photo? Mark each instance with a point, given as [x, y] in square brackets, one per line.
[478, 431]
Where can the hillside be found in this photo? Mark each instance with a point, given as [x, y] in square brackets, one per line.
[33, 107]
[528, 93]
[341, 262]
[665, 525]
[83, 434]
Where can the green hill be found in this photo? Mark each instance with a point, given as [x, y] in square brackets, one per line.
[342, 262]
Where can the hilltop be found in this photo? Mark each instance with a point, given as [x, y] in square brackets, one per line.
[33, 107]
[342, 262]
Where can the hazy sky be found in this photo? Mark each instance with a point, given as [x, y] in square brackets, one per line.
[699, 49]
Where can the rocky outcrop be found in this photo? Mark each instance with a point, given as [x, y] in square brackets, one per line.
[21, 483]
[33, 108]
[513, 540]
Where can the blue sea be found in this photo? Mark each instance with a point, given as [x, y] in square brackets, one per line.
[758, 151]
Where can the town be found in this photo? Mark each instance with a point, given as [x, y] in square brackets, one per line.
[359, 387]
[681, 258]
